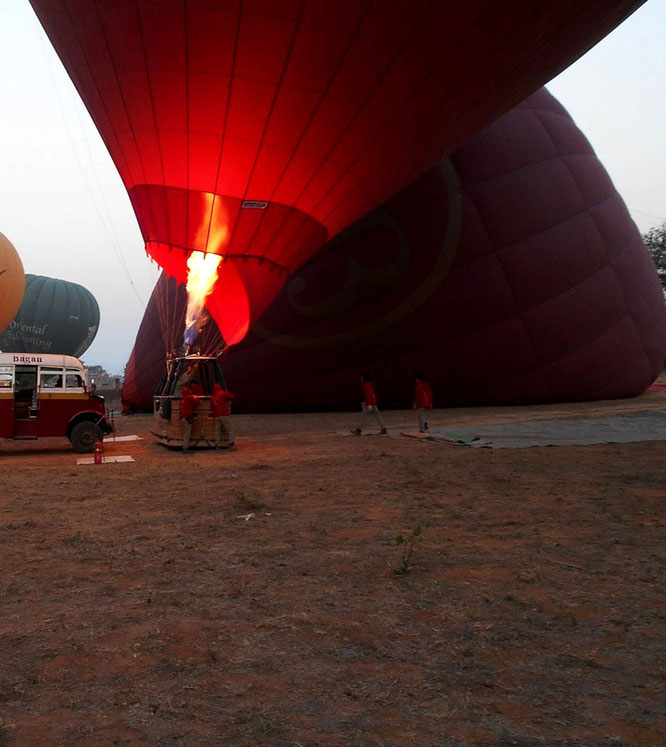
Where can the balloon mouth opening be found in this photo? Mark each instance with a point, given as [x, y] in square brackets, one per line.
[261, 244]
[215, 287]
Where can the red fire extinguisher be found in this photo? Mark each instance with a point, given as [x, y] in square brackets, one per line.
[99, 452]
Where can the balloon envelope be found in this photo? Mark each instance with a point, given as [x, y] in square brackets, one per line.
[56, 316]
[12, 281]
[258, 130]
[510, 273]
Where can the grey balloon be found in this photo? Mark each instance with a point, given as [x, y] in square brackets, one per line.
[56, 316]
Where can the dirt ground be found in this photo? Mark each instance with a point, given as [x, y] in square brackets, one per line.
[251, 597]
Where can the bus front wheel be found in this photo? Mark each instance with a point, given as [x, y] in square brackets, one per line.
[84, 435]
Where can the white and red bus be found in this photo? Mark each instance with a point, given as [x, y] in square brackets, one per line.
[47, 395]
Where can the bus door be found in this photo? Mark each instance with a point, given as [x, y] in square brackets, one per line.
[25, 402]
[6, 401]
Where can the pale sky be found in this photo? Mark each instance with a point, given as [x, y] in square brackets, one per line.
[66, 211]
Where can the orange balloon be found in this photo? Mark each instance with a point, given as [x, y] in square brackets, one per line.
[12, 281]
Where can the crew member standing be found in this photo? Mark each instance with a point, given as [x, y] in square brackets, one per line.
[369, 406]
[219, 405]
[188, 406]
[423, 400]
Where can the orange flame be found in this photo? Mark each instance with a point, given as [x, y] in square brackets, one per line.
[201, 278]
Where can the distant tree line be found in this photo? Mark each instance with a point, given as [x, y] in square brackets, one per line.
[655, 240]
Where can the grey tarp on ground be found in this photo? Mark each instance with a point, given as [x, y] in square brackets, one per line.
[644, 426]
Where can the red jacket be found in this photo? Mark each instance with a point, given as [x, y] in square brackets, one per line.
[188, 404]
[219, 402]
[369, 396]
[423, 395]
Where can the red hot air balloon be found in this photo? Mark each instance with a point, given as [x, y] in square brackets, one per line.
[510, 273]
[256, 130]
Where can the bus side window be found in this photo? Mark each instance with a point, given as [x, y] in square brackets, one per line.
[50, 380]
[6, 378]
[73, 380]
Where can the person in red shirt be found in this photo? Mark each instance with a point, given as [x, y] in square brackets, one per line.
[423, 400]
[188, 406]
[369, 406]
[219, 406]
